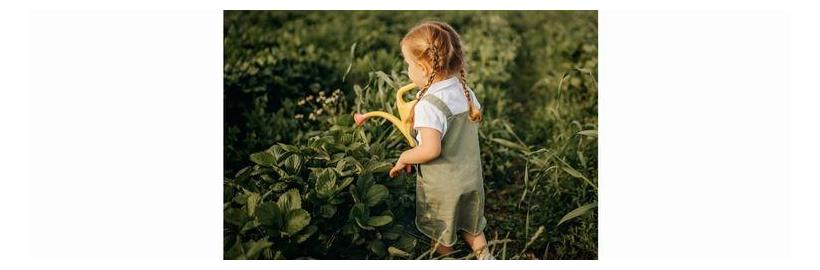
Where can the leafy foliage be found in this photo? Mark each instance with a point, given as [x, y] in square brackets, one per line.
[301, 181]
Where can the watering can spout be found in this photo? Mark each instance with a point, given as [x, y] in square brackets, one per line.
[402, 122]
[359, 118]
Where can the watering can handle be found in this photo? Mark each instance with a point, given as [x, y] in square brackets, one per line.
[402, 90]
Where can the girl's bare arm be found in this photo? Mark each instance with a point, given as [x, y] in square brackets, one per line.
[427, 151]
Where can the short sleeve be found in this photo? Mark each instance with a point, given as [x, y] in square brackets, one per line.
[427, 115]
[475, 99]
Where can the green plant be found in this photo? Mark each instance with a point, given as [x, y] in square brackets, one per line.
[300, 181]
[304, 199]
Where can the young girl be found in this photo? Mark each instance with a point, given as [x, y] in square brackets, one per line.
[450, 186]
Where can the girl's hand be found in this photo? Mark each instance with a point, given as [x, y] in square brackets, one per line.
[398, 167]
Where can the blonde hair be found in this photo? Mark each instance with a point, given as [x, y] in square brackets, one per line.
[439, 45]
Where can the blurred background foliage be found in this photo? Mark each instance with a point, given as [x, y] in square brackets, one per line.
[292, 79]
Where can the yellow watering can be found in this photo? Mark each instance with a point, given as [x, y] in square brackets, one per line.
[401, 122]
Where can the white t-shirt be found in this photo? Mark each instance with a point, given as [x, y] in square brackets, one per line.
[451, 93]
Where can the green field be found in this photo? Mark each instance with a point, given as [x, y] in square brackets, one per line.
[302, 181]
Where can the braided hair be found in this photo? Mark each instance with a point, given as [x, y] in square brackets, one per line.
[439, 45]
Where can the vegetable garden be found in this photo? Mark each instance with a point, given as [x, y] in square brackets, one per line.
[302, 181]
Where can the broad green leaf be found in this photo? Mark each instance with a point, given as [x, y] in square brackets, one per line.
[280, 172]
[276, 151]
[253, 199]
[263, 158]
[254, 247]
[356, 163]
[241, 198]
[406, 242]
[294, 163]
[289, 148]
[379, 166]
[379, 221]
[360, 211]
[375, 194]
[363, 225]
[360, 214]
[322, 154]
[235, 216]
[290, 200]
[325, 183]
[340, 166]
[577, 212]
[391, 235]
[297, 219]
[269, 214]
[251, 224]
[260, 170]
[394, 232]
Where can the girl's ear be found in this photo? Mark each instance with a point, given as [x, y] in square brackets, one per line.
[424, 69]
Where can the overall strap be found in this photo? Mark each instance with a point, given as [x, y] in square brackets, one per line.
[439, 104]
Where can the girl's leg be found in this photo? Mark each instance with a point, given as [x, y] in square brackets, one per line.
[478, 243]
[442, 249]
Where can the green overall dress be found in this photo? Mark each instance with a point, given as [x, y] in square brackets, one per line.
[450, 188]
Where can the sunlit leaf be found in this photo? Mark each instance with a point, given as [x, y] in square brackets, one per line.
[591, 133]
[510, 144]
[393, 251]
[263, 158]
[578, 212]
[379, 221]
[253, 199]
[255, 247]
[290, 200]
[296, 220]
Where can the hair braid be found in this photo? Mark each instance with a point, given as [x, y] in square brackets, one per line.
[474, 115]
[438, 44]
[436, 65]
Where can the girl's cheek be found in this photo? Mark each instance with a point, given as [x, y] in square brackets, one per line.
[411, 73]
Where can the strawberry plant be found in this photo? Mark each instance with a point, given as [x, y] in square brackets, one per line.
[302, 181]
